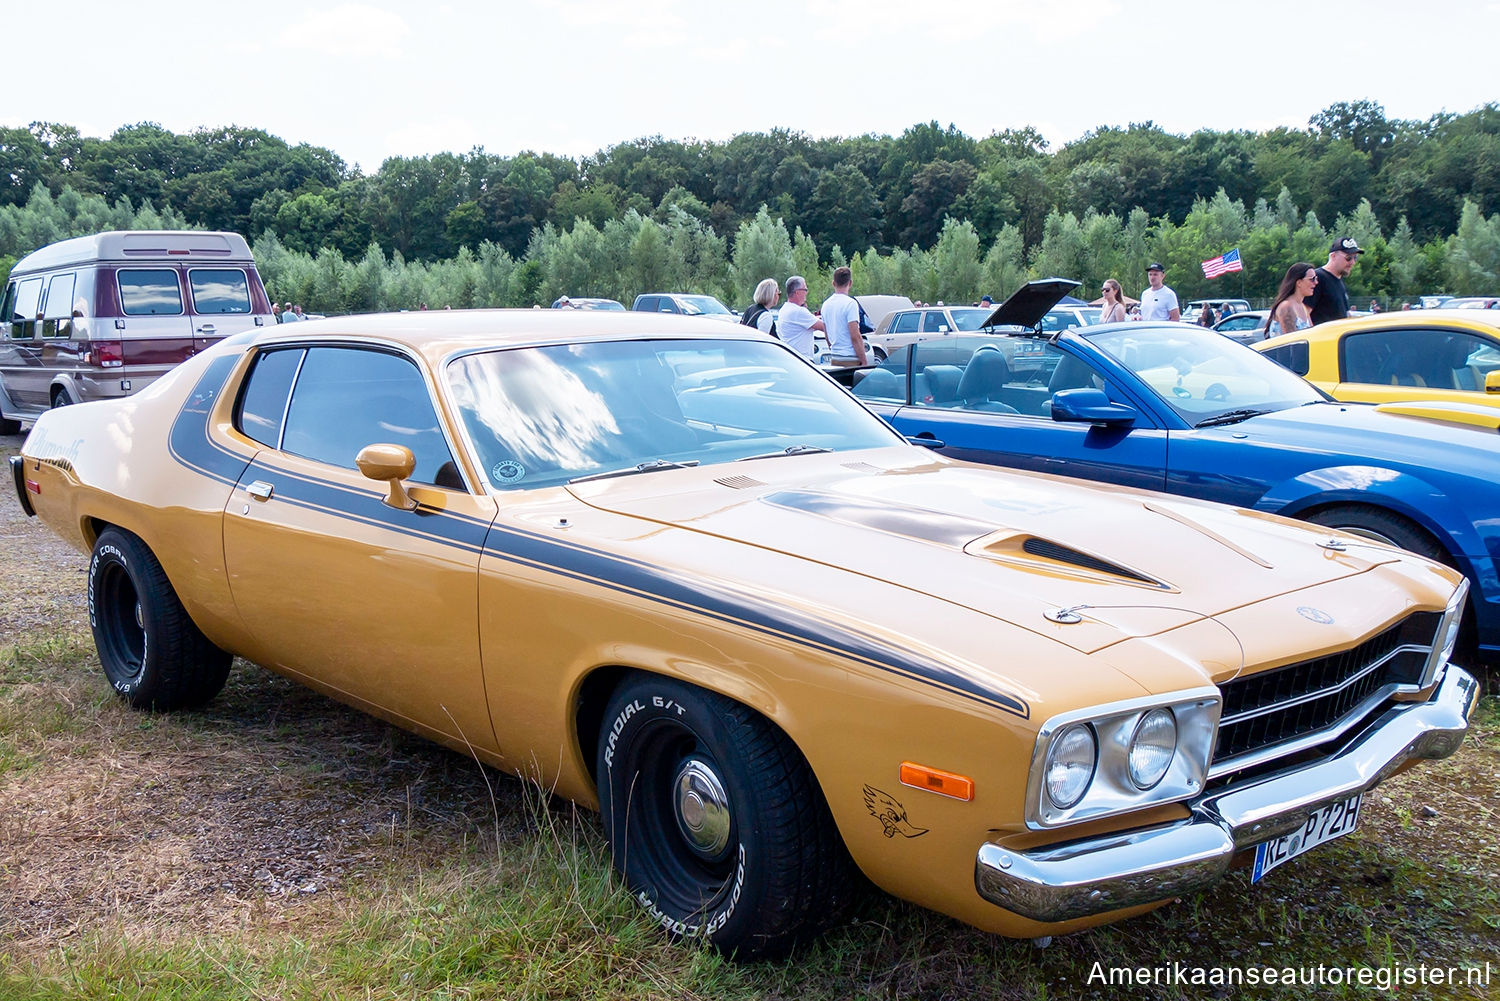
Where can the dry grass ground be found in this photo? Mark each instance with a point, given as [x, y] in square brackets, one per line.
[278, 845]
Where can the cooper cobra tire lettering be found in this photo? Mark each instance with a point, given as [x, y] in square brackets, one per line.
[693, 789]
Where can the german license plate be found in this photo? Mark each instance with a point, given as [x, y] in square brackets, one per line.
[1326, 823]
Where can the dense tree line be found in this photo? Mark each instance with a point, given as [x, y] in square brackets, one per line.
[932, 213]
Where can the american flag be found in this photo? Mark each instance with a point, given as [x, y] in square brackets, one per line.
[1223, 264]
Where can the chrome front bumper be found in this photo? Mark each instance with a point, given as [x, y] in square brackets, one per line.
[1115, 871]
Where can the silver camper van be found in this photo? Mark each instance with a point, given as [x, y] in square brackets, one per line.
[102, 316]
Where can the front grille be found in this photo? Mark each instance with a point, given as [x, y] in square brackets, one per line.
[1294, 703]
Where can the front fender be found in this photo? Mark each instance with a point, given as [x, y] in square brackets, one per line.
[1412, 497]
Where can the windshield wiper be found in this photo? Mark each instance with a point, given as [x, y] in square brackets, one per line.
[1229, 417]
[644, 467]
[789, 450]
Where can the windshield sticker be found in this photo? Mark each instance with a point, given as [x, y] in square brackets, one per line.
[508, 471]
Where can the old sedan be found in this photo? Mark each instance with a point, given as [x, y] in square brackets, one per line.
[668, 569]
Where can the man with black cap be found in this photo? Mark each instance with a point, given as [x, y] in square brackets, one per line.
[1330, 299]
[1158, 302]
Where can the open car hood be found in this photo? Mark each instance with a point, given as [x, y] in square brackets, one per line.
[1028, 304]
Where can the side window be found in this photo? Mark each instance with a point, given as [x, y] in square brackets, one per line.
[667, 305]
[57, 320]
[1431, 358]
[23, 307]
[263, 401]
[647, 304]
[1292, 357]
[219, 290]
[934, 321]
[149, 293]
[906, 323]
[347, 398]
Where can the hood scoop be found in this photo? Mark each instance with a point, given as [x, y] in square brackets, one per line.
[1049, 556]
[739, 482]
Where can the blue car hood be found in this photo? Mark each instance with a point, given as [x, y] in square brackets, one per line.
[1362, 433]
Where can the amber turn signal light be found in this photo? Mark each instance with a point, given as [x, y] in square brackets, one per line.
[959, 787]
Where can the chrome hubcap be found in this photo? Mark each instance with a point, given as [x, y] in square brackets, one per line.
[702, 808]
[1365, 533]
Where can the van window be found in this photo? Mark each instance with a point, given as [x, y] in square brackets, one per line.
[219, 290]
[149, 293]
[57, 320]
[21, 323]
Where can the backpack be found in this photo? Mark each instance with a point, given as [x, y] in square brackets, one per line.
[865, 326]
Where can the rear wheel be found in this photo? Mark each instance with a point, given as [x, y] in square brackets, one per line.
[153, 654]
[878, 353]
[715, 820]
[62, 398]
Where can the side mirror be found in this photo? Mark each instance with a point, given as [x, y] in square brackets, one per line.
[1492, 381]
[1090, 406]
[392, 463]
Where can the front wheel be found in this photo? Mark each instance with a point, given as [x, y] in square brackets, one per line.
[153, 654]
[1381, 526]
[715, 820]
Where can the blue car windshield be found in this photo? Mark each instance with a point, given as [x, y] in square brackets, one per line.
[541, 416]
[1202, 374]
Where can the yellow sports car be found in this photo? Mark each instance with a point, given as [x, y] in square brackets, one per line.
[1445, 355]
[665, 567]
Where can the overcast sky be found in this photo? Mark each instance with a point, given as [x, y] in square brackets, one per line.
[376, 78]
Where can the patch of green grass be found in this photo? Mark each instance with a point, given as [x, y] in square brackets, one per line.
[47, 691]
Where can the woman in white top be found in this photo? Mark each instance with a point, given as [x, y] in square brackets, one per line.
[1114, 303]
[1288, 311]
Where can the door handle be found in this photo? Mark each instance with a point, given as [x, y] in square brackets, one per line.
[260, 490]
[207, 328]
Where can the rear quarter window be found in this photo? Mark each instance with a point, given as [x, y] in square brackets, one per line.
[219, 290]
[1292, 357]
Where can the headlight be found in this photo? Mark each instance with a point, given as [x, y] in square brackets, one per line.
[1151, 747]
[1121, 757]
[1070, 765]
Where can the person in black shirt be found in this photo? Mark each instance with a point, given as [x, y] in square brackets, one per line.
[1330, 299]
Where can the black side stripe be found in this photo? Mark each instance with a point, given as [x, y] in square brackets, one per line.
[719, 600]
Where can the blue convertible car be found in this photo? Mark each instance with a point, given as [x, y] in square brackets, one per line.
[1184, 410]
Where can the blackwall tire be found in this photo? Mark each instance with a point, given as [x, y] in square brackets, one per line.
[152, 653]
[715, 821]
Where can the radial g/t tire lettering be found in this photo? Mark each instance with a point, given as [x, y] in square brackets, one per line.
[153, 654]
[716, 821]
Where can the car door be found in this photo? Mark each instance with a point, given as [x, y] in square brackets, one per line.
[1416, 362]
[377, 603]
[21, 360]
[1004, 416]
[221, 304]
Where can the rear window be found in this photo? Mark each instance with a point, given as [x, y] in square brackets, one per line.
[263, 404]
[219, 290]
[152, 292]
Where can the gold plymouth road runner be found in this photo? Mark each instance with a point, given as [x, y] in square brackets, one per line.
[668, 569]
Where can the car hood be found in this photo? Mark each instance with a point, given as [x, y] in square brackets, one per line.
[1418, 437]
[1012, 546]
[1028, 304]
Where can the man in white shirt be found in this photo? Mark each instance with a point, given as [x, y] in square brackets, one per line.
[1158, 302]
[846, 345]
[795, 323]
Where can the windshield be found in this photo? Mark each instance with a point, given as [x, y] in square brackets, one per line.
[1202, 374]
[545, 415]
[970, 319]
[696, 305]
